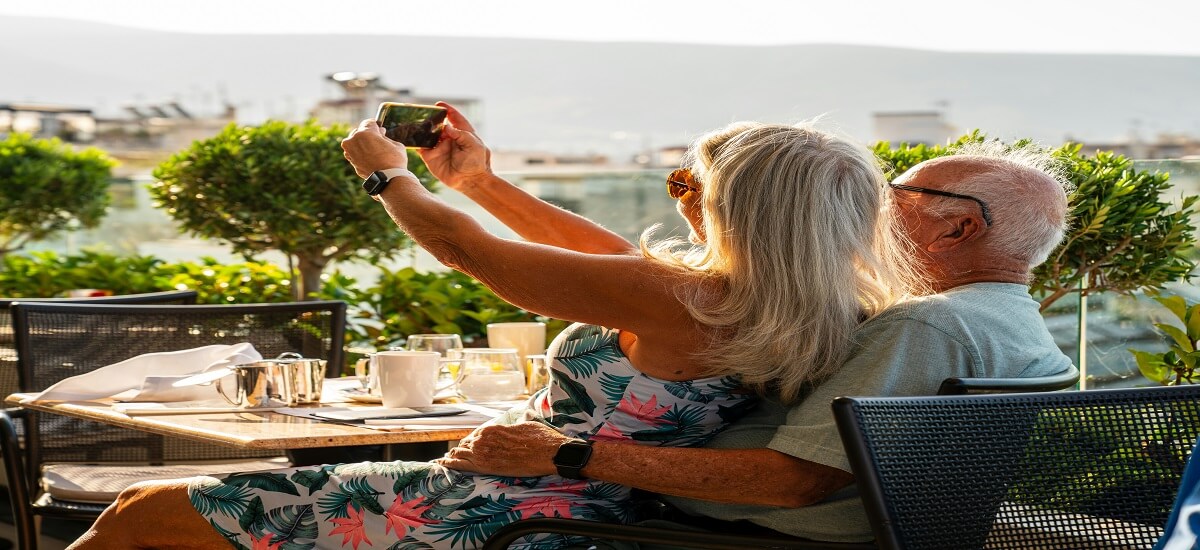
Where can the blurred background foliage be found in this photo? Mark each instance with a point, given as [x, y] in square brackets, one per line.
[400, 303]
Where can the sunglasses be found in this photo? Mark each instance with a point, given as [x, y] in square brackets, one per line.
[680, 181]
[983, 207]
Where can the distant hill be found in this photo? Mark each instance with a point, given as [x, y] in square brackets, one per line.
[571, 96]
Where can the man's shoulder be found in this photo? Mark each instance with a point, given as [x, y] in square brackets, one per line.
[964, 304]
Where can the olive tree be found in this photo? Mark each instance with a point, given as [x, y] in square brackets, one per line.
[47, 187]
[1124, 234]
[283, 187]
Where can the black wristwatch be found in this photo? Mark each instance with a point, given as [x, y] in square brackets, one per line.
[378, 180]
[571, 457]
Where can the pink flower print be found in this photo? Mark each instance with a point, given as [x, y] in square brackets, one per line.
[546, 506]
[648, 412]
[571, 487]
[351, 528]
[608, 432]
[265, 543]
[405, 515]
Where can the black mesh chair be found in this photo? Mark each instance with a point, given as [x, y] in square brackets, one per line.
[733, 541]
[57, 341]
[8, 351]
[1070, 470]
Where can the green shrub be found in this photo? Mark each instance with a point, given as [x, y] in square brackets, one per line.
[406, 302]
[401, 303]
[47, 187]
[1177, 365]
[48, 275]
[282, 187]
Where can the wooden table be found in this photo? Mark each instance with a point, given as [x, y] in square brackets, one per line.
[257, 430]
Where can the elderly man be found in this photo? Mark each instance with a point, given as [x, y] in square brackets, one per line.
[980, 222]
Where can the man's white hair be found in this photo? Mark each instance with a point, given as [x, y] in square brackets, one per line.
[1012, 180]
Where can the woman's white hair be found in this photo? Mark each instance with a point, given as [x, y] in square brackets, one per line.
[797, 229]
[1013, 181]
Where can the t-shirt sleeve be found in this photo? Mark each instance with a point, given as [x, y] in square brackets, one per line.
[898, 357]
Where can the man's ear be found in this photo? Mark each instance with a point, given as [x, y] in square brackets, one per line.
[956, 233]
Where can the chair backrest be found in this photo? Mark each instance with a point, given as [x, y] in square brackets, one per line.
[18, 489]
[57, 341]
[1094, 469]
[969, 386]
[8, 352]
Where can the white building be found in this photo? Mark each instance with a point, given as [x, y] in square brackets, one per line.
[913, 127]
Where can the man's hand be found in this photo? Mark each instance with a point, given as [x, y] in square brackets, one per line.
[368, 150]
[460, 156]
[520, 450]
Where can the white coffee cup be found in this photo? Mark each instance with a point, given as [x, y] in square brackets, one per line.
[407, 378]
[527, 338]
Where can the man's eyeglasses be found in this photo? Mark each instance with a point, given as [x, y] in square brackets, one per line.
[983, 207]
[680, 181]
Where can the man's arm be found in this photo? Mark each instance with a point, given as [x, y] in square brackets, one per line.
[744, 476]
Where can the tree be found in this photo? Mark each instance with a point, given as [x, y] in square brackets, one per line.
[1124, 237]
[282, 187]
[47, 187]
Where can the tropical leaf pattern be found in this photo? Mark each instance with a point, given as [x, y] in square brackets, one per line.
[595, 393]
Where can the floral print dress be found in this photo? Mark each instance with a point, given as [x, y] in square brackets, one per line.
[595, 393]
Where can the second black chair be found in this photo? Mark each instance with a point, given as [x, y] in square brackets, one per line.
[69, 463]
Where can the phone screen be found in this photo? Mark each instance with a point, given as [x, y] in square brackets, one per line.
[416, 126]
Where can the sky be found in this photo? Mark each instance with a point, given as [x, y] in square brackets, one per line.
[1039, 26]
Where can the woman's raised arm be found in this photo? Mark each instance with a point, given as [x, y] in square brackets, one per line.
[462, 162]
[623, 291]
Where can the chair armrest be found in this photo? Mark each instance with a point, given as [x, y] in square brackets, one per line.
[1054, 382]
[506, 535]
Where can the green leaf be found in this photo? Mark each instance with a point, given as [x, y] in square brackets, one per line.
[254, 519]
[294, 524]
[1177, 334]
[229, 500]
[266, 481]
[1152, 366]
[1193, 322]
[1176, 304]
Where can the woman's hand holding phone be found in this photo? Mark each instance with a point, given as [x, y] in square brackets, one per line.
[460, 156]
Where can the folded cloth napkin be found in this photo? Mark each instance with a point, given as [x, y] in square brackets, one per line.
[151, 375]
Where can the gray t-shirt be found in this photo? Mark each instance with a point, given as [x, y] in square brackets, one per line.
[976, 330]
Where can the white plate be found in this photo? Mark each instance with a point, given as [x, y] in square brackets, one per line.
[361, 396]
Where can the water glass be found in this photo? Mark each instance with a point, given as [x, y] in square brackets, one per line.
[441, 343]
[491, 374]
[449, 346]
[537, 373]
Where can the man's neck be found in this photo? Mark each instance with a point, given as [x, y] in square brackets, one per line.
[946, 281]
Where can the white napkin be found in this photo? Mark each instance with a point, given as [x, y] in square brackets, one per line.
[151, 375]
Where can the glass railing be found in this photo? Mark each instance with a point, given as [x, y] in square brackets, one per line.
[629, 201]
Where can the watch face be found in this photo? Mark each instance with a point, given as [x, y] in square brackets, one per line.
[374, 183]
[573, 453]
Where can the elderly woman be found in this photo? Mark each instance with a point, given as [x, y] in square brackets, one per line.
[791, 250]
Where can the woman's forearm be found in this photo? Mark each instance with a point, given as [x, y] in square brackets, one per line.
[538, 221]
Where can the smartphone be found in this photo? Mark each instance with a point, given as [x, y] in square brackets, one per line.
[416, 126]
[359, 415]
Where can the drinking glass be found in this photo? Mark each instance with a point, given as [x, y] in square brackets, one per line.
[449, 346]
[491, 374]
[441, 343]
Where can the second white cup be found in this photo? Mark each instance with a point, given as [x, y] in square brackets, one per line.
[407, 378]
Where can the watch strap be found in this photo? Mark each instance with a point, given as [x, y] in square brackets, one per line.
[378, 180]
[572, 457]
